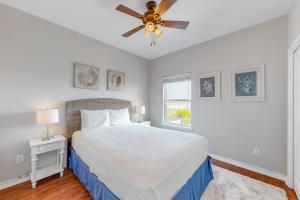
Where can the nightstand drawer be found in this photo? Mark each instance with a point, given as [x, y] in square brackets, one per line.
[50, 147]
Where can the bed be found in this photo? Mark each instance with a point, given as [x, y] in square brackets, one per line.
[134, 161]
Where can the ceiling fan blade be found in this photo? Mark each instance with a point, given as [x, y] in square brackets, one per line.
[129, 11]
[176, 24]
[129, 33]
[164, 6]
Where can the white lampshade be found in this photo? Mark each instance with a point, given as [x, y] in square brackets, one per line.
[49, 116]
[140, 110]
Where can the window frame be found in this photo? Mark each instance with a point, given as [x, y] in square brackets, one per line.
[170, 79]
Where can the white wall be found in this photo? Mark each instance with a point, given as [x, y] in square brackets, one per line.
[36, 71]
[294, 22]
[235, 128]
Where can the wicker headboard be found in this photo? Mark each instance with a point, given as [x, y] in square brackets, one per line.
[73, 108]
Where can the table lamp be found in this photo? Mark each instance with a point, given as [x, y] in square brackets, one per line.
[140, 111]
[47, 117]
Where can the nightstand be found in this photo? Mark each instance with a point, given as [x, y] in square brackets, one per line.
[38, 146]
[147, 123]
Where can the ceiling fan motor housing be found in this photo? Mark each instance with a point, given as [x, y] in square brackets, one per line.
[150, 15]
[151, 5]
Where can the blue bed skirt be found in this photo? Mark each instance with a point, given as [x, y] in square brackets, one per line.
[192, 190]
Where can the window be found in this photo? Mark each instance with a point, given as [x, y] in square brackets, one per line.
[177, 100]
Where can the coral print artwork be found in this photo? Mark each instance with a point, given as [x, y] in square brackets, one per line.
[248, 83]
[209, 88]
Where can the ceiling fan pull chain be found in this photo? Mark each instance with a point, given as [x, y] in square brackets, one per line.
[152, 39]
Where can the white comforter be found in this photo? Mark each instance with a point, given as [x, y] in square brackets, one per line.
[137, 162]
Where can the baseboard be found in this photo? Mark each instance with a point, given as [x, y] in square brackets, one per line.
[251, 167]
[297, 187]
[13, 182]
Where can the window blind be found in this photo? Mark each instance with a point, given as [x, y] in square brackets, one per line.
[177, 78]
[177, 100]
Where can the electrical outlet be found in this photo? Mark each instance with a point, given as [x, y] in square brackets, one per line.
[256, 151]
[20, 158]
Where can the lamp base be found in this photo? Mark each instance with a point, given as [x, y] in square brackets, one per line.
[49, 134]
[138, 118]
[48, 138]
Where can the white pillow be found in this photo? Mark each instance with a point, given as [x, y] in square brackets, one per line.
[119, 117]
[92, 119]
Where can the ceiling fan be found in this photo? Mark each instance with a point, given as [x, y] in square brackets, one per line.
[151, 19]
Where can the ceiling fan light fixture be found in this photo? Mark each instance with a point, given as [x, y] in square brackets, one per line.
[157, 32]
[153, 39]
[150, 26]
[146, 33]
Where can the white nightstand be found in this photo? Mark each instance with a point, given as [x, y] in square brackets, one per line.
[147, 123]
[38, 146]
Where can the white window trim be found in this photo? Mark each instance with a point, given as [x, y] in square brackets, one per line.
[180, 128]
[175, 78]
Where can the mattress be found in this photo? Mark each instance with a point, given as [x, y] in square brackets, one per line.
[138, 162]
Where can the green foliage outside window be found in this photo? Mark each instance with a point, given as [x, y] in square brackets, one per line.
[180, 117]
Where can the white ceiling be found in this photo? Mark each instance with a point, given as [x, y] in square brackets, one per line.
[208, 19]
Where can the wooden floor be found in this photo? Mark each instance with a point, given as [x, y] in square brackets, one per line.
[69, 187]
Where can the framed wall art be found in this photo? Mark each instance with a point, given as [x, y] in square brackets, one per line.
[115, 80]
[86, 76]
[209, 86]
[248, 83]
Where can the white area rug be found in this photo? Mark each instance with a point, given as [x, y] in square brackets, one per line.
[228, 185]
